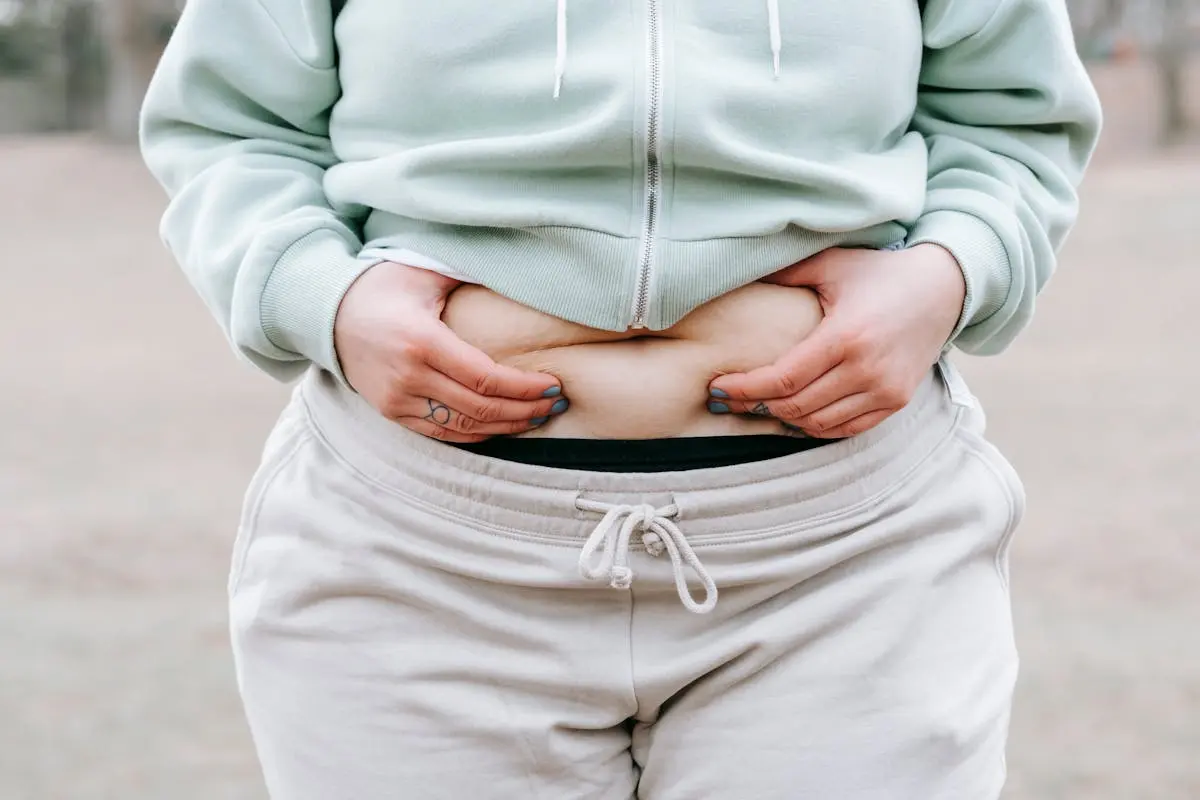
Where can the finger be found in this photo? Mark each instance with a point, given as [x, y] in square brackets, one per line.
[837, 385]
[435, 412]
[472, 368]
[858, 425]
[802, 273]
[839, 413]
[803, 364]
[483, 409]
[434, 431]
[831, 387]
[814, 271]
[755, 408]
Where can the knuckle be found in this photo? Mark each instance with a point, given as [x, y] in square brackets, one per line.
[487, 383]
[788, 409]
[863, 375]
[488, 412]
[856, 427]
[405, 375]
[837, 349]
[892, 395]
[416, 347]
[855, 345]
[392, 404]
[437, 432]
[465, 424]
[787, 383]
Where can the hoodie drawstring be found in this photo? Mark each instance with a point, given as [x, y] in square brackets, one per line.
[776, 35]
[560, 56]
[560, 50]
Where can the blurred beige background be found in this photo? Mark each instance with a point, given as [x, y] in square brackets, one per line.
[128, 431]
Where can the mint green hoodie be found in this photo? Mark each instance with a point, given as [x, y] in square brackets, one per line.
[613, 164]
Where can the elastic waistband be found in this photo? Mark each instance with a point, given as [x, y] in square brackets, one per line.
[537, 500]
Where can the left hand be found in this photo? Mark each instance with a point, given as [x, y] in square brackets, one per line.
[888, 315]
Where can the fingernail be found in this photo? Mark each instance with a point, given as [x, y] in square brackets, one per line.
[553, 391]
[560, 406]
[718, 408]
[539, 421]
[718, 393]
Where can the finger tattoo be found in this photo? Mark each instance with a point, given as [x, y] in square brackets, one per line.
[439, 413]
[761, 410]
[794, 431]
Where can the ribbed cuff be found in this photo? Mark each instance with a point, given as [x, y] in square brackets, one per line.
[301, 299]
[981, 256]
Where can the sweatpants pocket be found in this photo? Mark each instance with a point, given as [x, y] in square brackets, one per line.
[1006, 479]
[970, 431]
[291, 430]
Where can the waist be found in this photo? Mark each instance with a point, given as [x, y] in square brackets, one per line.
[596, 278]
[541, 500]
[634, 385]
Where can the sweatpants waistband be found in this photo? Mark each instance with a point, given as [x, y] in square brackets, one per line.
[531, 498]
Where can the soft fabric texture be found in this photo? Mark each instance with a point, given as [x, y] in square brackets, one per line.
[413, 620]
[614, 165]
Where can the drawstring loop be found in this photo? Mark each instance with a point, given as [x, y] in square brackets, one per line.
[612, 536]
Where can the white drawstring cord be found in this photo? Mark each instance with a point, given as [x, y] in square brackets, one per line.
[659, 535]
[560, 58]
[776, 35]
[560, 50]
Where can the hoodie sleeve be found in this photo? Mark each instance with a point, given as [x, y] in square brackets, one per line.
[235, 126]
[1010, 118]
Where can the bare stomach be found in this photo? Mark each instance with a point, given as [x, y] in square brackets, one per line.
[633, 385]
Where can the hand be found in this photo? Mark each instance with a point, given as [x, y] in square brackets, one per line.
[399, 356]
[888, 315]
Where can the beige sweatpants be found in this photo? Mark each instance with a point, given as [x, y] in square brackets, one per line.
[414, 621]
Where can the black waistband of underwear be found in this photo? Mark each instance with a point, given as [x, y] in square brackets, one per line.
[643, 455]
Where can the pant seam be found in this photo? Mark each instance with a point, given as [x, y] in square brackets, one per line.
[973, 450]
[248, 528]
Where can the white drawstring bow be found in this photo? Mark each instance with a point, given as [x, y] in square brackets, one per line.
[659, 535]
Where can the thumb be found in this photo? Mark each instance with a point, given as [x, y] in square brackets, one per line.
[810, 359]
[808, 272]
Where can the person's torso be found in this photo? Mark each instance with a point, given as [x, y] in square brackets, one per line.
[673, 166]
[633, 386]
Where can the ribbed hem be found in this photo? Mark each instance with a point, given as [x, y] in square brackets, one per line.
[980, 254]
[590, 277]
[301, 299]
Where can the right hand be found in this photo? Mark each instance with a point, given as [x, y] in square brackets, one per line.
[399, 356]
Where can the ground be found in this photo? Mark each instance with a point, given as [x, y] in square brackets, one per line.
[130, 431]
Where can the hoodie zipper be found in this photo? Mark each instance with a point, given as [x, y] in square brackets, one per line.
[641, 303]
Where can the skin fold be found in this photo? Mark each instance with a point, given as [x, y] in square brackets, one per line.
[633, 385]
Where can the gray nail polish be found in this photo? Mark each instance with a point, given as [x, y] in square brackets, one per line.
[553, 391]
[539, 421]
[718, 393]
[718, 408]
[560, 406]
